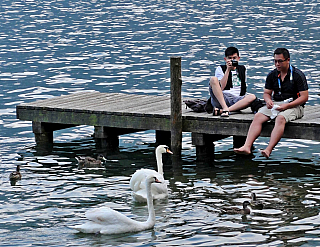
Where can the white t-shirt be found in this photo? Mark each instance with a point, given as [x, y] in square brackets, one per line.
[236, 82]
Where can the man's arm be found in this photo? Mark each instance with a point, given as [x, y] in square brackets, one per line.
[267, 97]
[303, 98]
[224, 79]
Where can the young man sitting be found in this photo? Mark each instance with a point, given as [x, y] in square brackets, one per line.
[228, 87]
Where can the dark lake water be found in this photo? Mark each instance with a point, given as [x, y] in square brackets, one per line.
[56, 47]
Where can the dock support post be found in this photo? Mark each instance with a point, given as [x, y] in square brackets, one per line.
[176, 111]
[204, 145]
[106, 138]
[42, 133]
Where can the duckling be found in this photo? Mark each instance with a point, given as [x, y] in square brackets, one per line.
[15, 176]
[256, 204]
[236, 210]
[89, 162]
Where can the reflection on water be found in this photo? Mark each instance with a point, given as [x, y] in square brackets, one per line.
[54, 194]
[51, 48]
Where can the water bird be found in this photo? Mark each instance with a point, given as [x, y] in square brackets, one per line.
[235, 210]
[89, 162]
[137, 181]
[105, 220]
[15, 176]
[256, 204]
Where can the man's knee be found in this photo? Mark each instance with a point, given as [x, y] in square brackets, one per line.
[260, 118]
[214, 82]
[250, 97]
[280, 120]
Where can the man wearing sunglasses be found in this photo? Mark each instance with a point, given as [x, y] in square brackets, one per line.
[285, 94]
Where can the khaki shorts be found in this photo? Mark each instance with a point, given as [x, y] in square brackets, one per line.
[289, 114]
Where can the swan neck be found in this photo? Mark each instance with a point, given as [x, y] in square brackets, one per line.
[152, 216]
[159, 162]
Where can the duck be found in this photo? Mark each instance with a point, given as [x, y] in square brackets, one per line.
[105, 220]
[256, 204]
[89, 162]
[15, 176]
[137, 181]
[235, 210]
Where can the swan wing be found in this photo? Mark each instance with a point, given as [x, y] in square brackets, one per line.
[93, 227]
[158, 191]
[88, 227]
[138, 186]
[106, 216]
[140, 196]
[137, 181]
[108, 221]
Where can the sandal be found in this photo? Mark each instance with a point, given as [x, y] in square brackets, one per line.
[216, 111]
[224, 114]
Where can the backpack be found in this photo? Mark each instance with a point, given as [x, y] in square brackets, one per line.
[199, 105]
[256, 105]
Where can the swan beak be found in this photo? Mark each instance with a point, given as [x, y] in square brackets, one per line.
[168, 151]
[157, 181]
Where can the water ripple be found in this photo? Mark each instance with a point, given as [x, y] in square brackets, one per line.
[51, 48]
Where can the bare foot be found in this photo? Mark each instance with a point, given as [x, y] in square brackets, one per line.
[242, 150]
[265, 153]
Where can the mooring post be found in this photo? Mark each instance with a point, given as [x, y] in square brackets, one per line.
[176, 111]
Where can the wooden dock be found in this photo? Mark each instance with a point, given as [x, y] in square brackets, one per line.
[114, 114]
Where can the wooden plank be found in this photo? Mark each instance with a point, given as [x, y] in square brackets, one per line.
[102, 103]
[86, 101]
[134, 105]
[60, 100]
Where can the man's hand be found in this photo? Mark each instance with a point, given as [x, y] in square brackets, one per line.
[229, 64]
[283, 107]
[269, 104]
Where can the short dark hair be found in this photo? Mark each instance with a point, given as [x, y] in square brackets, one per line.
[282, 51]
[230, 51]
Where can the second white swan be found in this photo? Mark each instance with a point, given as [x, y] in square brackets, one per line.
[108, 221]
[137, 181]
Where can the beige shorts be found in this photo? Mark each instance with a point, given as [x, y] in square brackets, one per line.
[289, 114]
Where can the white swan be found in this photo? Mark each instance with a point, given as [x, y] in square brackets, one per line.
[137, 181]
[108, 221]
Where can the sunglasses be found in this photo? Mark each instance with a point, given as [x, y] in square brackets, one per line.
[279, 61]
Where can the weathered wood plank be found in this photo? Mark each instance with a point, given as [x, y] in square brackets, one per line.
[135, 105]
[60, 100]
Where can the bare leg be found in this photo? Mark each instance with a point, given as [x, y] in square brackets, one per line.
[253, 133]
[217, 91]
[244, 103]
[276, 135]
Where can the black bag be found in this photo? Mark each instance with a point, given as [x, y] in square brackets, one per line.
[208, 107]
[199, 105]
[256, 105]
